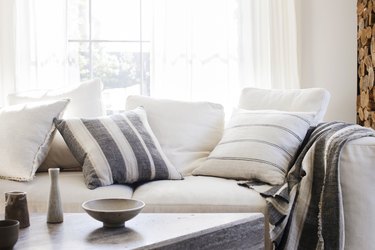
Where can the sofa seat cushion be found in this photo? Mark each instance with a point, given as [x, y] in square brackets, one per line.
[72, 190]
[199, 194]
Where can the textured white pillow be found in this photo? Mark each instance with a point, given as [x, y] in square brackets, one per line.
[295, 100]
[26, 131]
[119, 148]
[258, 145]
[186, 131]
[86, 102]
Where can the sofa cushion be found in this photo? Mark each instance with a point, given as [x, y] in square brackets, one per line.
[26, 131]
[72, 190]
[85, 102]
[85, 98]
[297, 100]
[187, 131]
[199, 194]
[258, 145]
[119, 148]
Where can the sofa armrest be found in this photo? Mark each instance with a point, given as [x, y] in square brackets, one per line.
[357, 170]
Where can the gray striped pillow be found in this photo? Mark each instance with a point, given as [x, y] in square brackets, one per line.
[119, 148]
[258, 145]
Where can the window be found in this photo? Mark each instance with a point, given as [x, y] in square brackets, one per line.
[110, 40]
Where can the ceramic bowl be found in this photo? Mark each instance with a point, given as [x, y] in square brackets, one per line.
[113, 212]
[8, 233]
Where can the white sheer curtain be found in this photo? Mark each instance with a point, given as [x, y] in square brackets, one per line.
[194, 50]
[201, 49]
[269, 43]
[7, 48]
[209, 50]
[32, 46]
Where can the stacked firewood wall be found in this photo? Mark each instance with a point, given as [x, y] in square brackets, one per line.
[366, 63]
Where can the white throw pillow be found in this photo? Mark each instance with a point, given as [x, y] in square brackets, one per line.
[85, 102]
[258, 145]
[119, 148]
[26, 131]
[295, 100]
[186, 131]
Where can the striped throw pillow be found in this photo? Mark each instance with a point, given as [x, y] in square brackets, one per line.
[258, 145]
[119, 148]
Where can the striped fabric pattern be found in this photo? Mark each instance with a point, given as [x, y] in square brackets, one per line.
[307, 211]
[119, 148]
[258, 145]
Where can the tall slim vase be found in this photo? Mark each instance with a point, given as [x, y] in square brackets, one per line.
[55, 212]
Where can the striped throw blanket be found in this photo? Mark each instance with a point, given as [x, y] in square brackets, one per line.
[307, 211]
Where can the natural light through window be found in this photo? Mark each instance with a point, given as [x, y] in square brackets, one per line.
[180, 49]
[108, 39]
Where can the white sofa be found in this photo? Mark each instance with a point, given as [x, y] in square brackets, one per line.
[205, 194]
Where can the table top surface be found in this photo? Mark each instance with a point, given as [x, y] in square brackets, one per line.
[147, 230]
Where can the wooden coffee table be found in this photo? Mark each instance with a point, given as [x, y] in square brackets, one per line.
[147, 231]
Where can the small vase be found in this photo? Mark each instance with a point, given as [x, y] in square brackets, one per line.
[55, 212]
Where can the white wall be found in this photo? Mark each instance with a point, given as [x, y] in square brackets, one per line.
[328, 52]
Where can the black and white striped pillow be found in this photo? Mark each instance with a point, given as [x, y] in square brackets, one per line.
[258, 145]
[119, 148]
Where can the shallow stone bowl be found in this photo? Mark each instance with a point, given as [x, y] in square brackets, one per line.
[113, 212]
[8, 233]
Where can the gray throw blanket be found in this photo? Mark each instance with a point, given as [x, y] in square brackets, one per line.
[307, 211]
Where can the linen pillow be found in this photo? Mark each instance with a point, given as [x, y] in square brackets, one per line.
[292, 100]
[258, 145]
[26, 131]
[86, 102]
[116, 149]
[186, 131]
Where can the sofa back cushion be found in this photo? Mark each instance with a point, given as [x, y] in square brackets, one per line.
[186, 131]
[85, 98]
[295, 100]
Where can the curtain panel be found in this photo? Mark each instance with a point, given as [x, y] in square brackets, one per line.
[209, 50]
[7, 49]
[32, 46]
[200, 50]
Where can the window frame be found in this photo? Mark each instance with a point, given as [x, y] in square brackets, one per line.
[144, 86]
